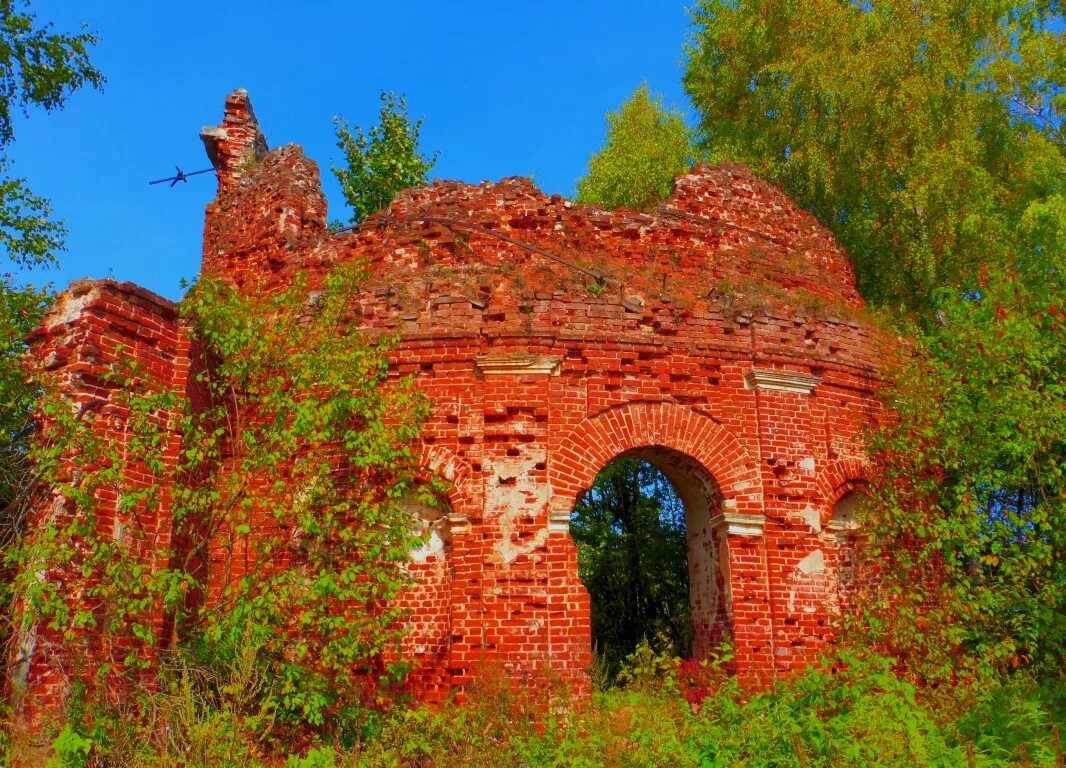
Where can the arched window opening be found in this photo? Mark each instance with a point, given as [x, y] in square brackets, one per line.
[647, 555]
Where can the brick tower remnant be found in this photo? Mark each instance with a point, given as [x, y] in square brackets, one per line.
[719, 337]
[238, 143]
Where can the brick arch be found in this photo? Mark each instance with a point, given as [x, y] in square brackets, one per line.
[463, 489]
[590, 446]
[836, 480]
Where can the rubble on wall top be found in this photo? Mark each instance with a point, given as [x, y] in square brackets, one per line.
[721, 227]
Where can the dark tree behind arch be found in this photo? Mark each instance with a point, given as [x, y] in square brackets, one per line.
[633, 558]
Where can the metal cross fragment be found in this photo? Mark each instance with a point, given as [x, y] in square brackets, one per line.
[181, 176]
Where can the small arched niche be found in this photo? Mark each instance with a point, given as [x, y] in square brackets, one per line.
[686, 546]
[844, 527]
[429, 567]
[430, 521]
[844, 520]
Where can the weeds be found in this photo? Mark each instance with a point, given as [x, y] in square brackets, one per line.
[851, 711]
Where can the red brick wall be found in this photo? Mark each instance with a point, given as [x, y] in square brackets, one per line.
[96, 327]
[720, 337]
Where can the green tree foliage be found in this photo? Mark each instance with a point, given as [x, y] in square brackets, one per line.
[324, 464]
[972, 479]
[633, 558]
[647, 145]
[294, 466]
[922, 132]
[20, 311]
[382, 161]
[929, 136]
[39, 68]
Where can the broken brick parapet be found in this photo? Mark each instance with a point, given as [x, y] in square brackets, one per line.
[237, 144]
[644, 256]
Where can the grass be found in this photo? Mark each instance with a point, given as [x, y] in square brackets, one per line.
[850, 711]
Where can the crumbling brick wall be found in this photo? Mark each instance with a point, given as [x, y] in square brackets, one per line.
[85, 346]
[720, 337]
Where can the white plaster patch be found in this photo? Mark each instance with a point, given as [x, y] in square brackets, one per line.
[813, 518]
[521, 497]
[509, 470]
[812, 563]
[289, 222]
[509, 550]
[512, 501]
[807, 465]
[69, 308]
[215, 133]
[27, 645]
[844, 514]
[447, 468]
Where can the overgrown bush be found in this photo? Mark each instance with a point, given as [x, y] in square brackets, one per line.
[295, 460]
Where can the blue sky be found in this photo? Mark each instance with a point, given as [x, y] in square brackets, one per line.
[506, 88]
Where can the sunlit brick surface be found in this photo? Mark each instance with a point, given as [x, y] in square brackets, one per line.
[720, 337]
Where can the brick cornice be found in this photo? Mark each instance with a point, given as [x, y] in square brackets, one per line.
[739, 524]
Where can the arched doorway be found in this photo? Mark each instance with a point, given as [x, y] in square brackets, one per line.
[649, 556]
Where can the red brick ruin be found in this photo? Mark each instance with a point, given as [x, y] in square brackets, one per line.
[719, 337]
